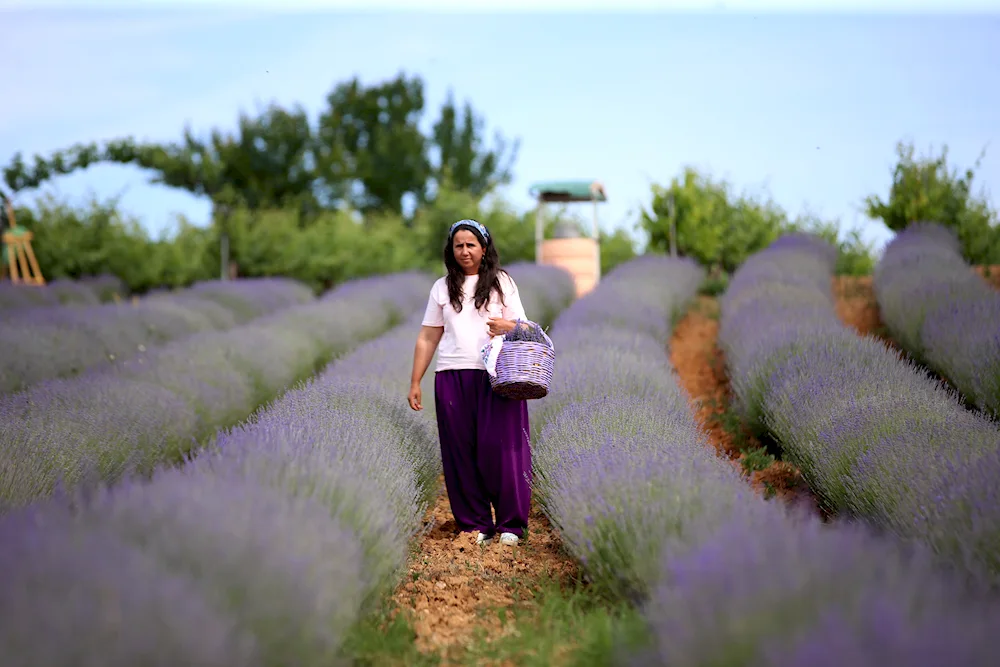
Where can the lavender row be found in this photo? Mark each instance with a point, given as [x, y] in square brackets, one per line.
[152, 408]
[599, 468]
[261, 551]
[942, 313]
[86, 292]
[723, 576]
[45, 343]
[874, 435]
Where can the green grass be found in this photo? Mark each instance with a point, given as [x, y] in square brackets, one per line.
[756, 458]
[564, 625]
[386, 637]
[714, 285]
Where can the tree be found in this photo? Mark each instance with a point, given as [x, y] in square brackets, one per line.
[370, 136]
[925, 189]
[712, 225]
[855, 257]
[366, 152]
[462, 160]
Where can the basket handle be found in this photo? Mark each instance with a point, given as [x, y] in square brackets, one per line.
[547, 339]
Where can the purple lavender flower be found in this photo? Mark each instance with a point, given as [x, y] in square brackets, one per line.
[766, 588]
[76, 594]
[873, 434]
[159, 404]
[941, 312]
[280, 565]
[46, 343]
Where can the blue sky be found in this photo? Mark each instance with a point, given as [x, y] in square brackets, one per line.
[809, 107]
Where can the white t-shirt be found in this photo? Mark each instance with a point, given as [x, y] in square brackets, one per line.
[466, 333]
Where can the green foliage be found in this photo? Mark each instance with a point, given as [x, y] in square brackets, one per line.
[616, 248]
[721, 229]
[756, 458]
[714, 226]
[70, 243]
[925, 189]
[365, 152]
[715, 284]
[854, 256]
[335, 246]
[463, 162]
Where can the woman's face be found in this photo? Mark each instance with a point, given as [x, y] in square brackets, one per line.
[468, 252]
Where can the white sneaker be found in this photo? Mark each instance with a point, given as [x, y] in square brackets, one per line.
[482, 538]
[509, 539]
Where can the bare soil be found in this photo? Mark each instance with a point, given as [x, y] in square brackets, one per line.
[856, 305]
[991, 274]
[454, 587]
[701, 368]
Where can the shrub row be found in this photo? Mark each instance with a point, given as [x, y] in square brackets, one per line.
[723, 576]
[86, 292]
[52, 342]
[153, 407]
[941, 312]
[873, 434]
[264, 549]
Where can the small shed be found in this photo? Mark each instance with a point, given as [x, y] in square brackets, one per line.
[581, 256]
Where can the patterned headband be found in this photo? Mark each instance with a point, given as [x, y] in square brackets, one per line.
[471, 223]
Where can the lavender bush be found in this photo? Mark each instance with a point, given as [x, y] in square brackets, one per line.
[76, 594]
[771, 589]
[45, 343]
[941, 311]
[601, 454]
[157, 405]
[873, 434]
[545, 291]
[284, 527]
[86, 291]
[724, 577]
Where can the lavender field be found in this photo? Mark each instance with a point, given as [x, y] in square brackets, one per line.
[57, 341]
[158, 404]
[247, 496]
[724, 577]
[941, 312]
[875, 436]
[265, 547]
[84, 292]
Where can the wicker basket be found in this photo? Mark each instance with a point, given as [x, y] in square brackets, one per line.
[524, 369]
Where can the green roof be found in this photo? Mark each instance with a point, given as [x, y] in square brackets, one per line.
[567, 191]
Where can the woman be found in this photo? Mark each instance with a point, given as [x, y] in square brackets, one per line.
[484, 436]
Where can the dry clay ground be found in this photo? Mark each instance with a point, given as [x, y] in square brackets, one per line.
[460, 595]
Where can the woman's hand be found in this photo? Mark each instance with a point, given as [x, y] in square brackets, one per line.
[414, 397]
[498, 326]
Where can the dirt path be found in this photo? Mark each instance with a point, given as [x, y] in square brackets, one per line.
[858, 308]
[701, 367]
[457, 589]
[856, 305]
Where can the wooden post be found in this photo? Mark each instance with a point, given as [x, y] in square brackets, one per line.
[597, 244]
[672, 214]
[20, 256]
[15, 277]
[539, 229]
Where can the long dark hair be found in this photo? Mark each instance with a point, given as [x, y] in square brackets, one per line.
[489, 271]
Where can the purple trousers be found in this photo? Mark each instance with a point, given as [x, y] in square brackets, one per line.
[484, 451]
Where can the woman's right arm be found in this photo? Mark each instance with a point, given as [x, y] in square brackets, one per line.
[423, 352]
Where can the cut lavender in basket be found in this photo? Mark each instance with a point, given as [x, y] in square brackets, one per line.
[527, 332]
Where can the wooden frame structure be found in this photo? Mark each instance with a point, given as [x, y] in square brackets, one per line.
[567, 192]
[19, 256]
